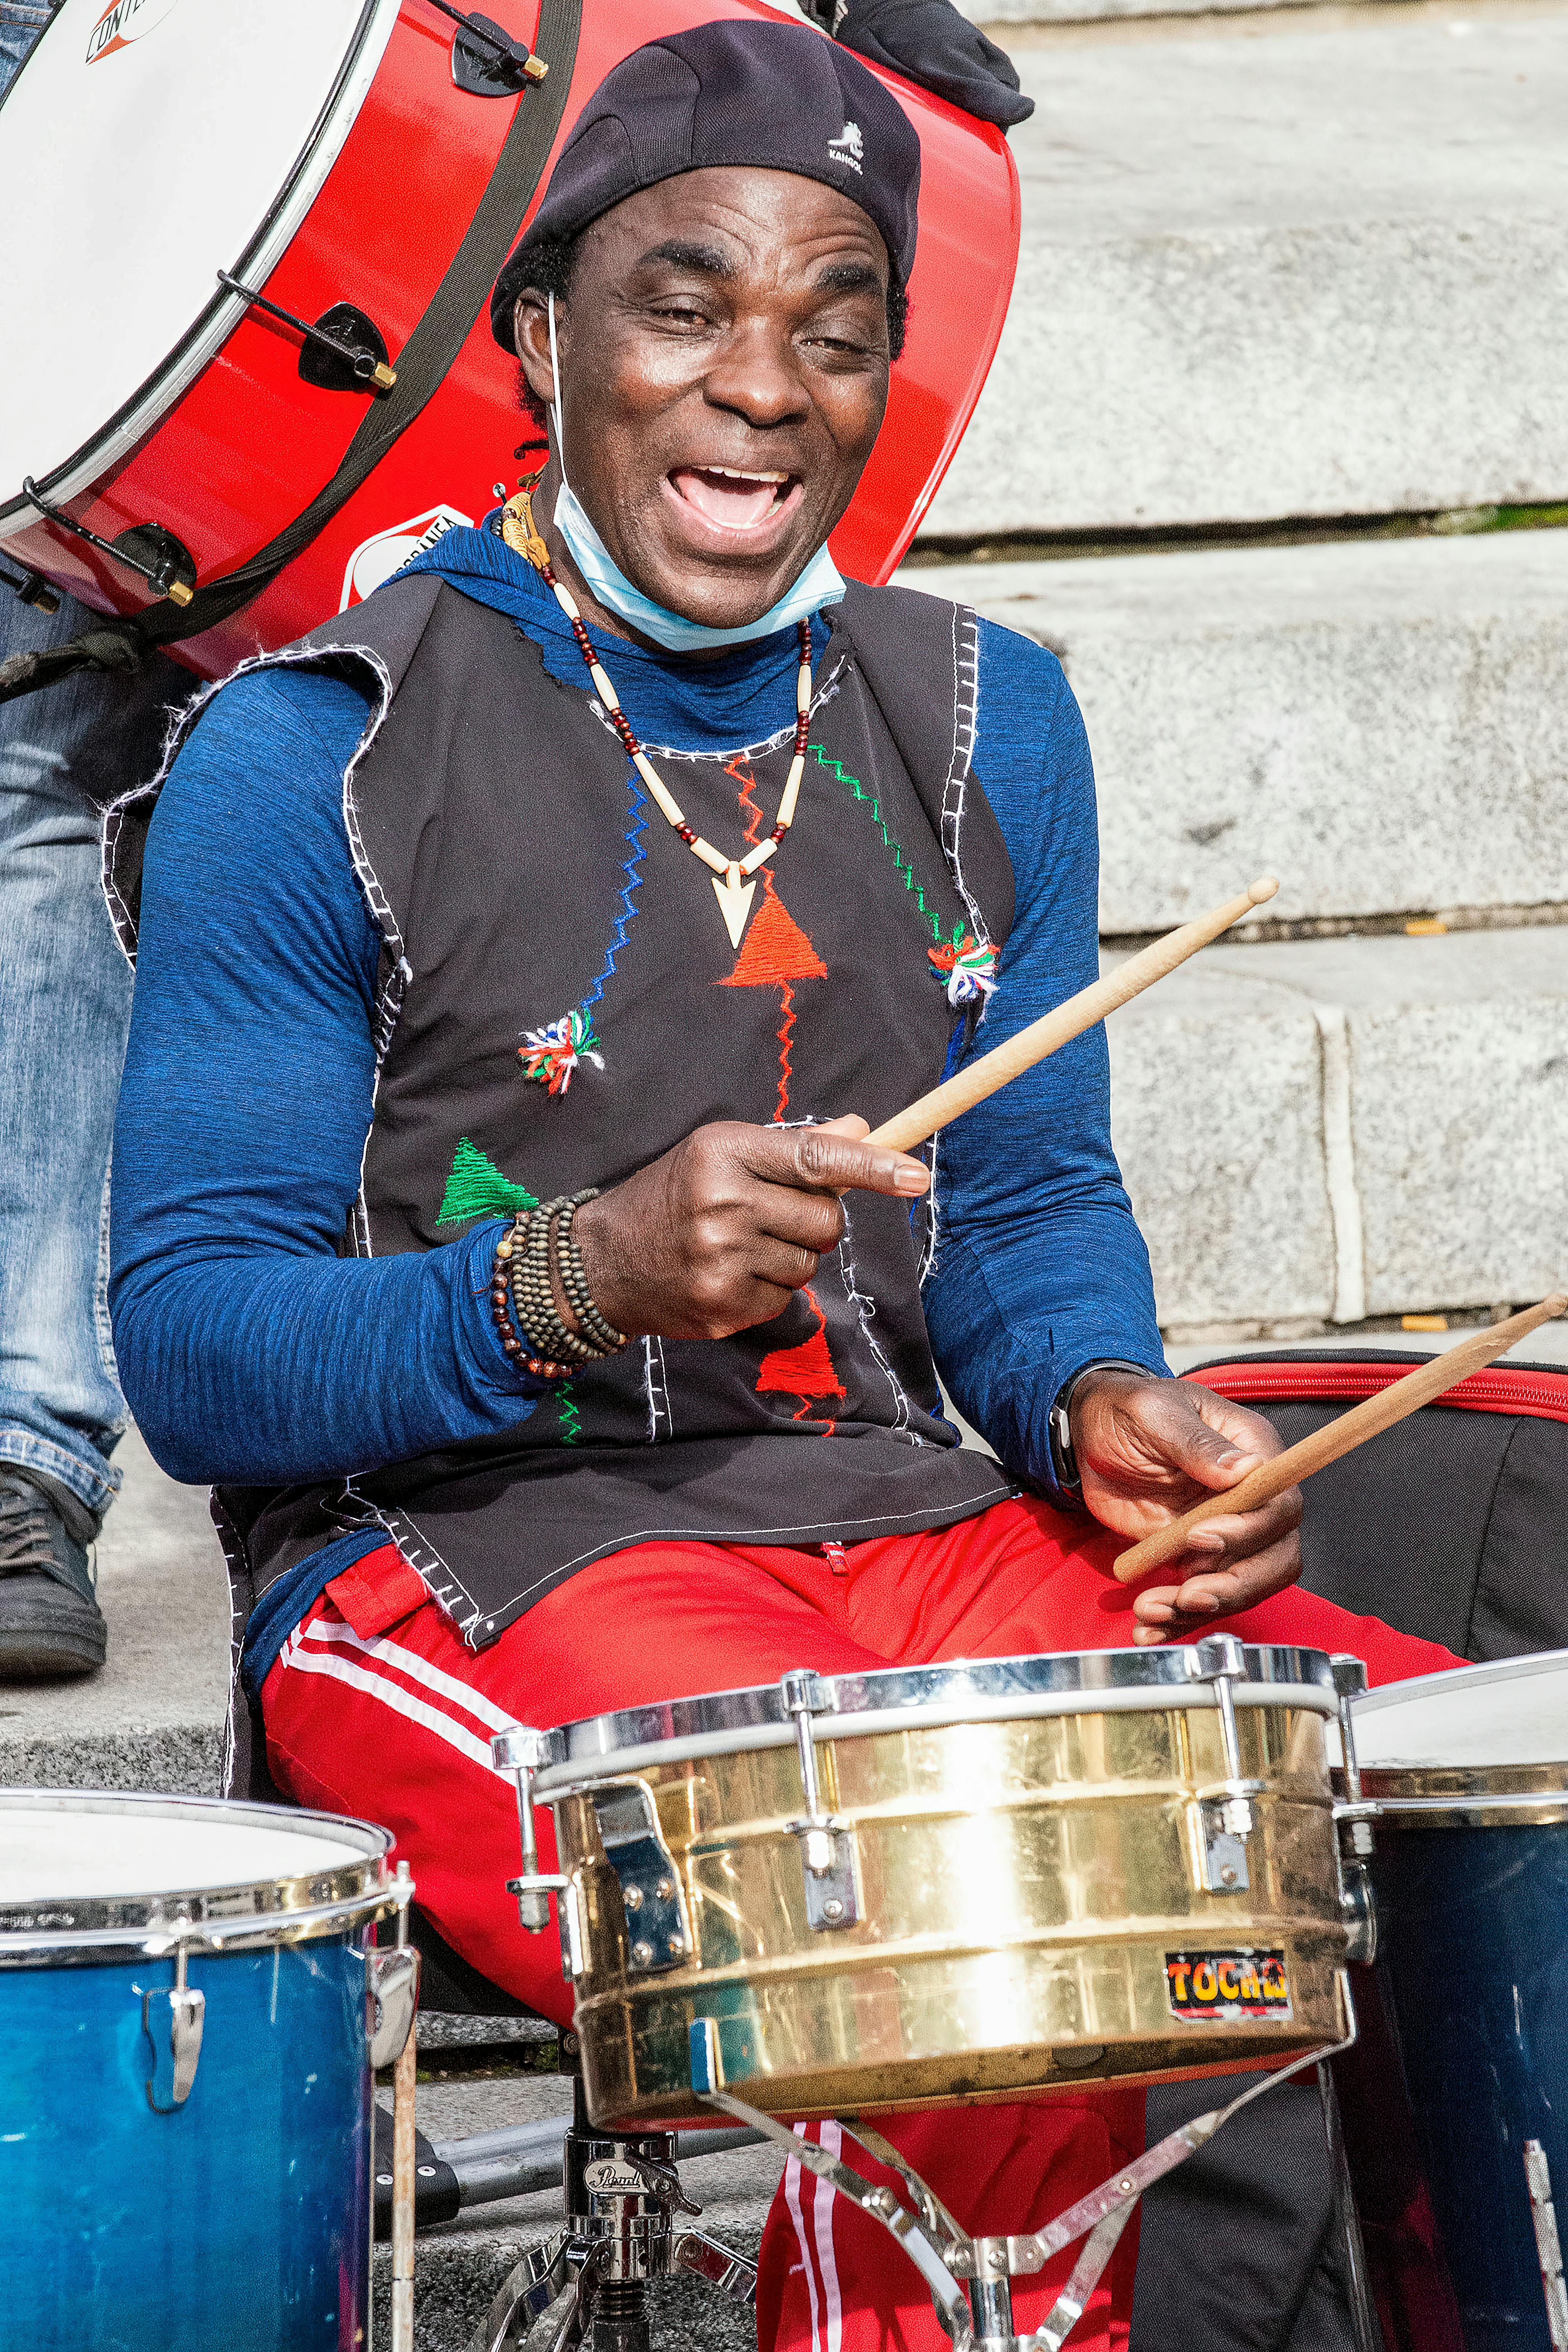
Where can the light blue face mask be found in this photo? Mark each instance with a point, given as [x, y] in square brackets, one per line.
[818, 584]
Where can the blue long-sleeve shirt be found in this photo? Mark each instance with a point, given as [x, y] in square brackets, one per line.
[252, 1354]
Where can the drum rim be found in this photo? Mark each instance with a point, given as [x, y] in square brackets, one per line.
[1451, 1796]
[958, 1691]
[240, 1914]
[209, 330]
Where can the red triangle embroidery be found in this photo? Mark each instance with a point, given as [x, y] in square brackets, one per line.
[776, 950]
[804, 1371]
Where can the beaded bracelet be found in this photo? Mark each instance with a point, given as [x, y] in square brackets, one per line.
[542, 1367]
[597, 1326]
[553, 1260]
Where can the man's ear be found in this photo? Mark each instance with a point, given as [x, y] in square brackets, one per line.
[531, 331]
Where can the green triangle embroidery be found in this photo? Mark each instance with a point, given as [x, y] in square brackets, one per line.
[476, 1188]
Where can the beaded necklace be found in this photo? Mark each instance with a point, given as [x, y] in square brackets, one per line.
[733, 877]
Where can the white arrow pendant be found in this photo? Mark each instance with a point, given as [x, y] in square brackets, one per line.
[734, 898]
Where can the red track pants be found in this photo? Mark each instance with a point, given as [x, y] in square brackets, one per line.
[376, 1707]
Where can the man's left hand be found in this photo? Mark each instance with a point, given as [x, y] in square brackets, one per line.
[931, 42]
[1148, 1450]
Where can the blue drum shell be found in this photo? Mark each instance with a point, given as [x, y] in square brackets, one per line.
[1463, 2057]
[241, 2217]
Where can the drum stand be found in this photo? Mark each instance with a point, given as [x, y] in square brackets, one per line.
[628, 2221]
[970, 2279]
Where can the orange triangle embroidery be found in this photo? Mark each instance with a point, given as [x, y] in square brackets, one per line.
[775, 951]
[804, 1371]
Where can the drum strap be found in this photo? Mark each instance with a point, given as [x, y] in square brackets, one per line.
[422, 364]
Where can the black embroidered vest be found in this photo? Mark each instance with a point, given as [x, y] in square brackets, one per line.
[517, 874]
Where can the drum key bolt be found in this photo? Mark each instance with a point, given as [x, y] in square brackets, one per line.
[363, 362]
[826, 1844]
[1226, 1806]
[172, 2022]
[154, 555]
[1354, 1819]
[522, 1752]
[486, 61]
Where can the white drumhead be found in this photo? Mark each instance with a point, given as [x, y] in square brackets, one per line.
[80, 1852]
[1512, 1711]
[143, 147]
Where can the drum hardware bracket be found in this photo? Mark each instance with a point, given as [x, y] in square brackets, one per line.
[1547, 2246]
[146, 548]
[658, 1931]
[1350, 1682]
[943, 2255]
[31, 589]
[826, 1844]
[173, 2020]
[486, 61]
[353, 342]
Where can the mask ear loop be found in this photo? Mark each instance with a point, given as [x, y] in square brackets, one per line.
[560, 417]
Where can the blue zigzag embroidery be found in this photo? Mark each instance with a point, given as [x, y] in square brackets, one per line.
[634, 840]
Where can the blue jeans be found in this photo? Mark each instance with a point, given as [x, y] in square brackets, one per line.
[21, 22]
[65, 1005]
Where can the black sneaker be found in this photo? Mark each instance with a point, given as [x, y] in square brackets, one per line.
[50, 1623]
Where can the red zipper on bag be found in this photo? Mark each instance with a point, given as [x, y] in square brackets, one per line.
[1541, 1396]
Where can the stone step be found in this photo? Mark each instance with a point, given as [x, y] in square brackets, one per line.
[154, 1717]
[1377, 722]
[1334, 1130]
[1319, 272]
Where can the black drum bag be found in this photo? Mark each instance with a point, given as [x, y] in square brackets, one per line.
[1453, 1527]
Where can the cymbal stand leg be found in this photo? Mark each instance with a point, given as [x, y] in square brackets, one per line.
[982, 2319]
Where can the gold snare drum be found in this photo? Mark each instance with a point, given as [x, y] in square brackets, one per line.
[947, 1883]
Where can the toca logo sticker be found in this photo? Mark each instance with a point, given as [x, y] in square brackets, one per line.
[122, 22]
[1227, 1987]
[376, 560]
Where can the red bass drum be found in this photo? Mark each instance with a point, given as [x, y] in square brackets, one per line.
[246, 264]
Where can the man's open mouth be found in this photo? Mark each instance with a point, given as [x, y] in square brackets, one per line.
[736, 502]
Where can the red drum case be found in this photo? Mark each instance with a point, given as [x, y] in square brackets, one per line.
[364, 167]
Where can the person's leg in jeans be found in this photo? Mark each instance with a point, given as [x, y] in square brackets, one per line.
[65, 1002]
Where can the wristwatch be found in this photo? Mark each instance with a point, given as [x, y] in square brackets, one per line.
[1064, 1465]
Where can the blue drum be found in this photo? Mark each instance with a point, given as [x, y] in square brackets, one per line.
[1455, 2100]
[186, 2007]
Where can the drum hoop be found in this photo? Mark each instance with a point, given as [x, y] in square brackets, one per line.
[569, 1773]
[205, 338]
[101, 1927]
[1476, 1796]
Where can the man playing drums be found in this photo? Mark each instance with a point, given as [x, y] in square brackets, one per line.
[490, 1223]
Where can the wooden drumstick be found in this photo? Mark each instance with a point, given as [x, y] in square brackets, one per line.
[971, 1085]
[403, 2079]
[1342, 1436]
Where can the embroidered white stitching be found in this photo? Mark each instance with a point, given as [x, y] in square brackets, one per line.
[656, 1388]
[865, 1306]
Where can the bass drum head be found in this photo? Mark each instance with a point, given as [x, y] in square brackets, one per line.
[1513, 1712]
[144, 146]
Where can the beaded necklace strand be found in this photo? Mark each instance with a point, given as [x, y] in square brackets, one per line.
[733, 884]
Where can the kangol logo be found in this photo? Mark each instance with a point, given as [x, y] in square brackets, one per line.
[121, 23]
[849, 147]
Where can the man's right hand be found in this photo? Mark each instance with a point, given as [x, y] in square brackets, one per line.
[716, 1235]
